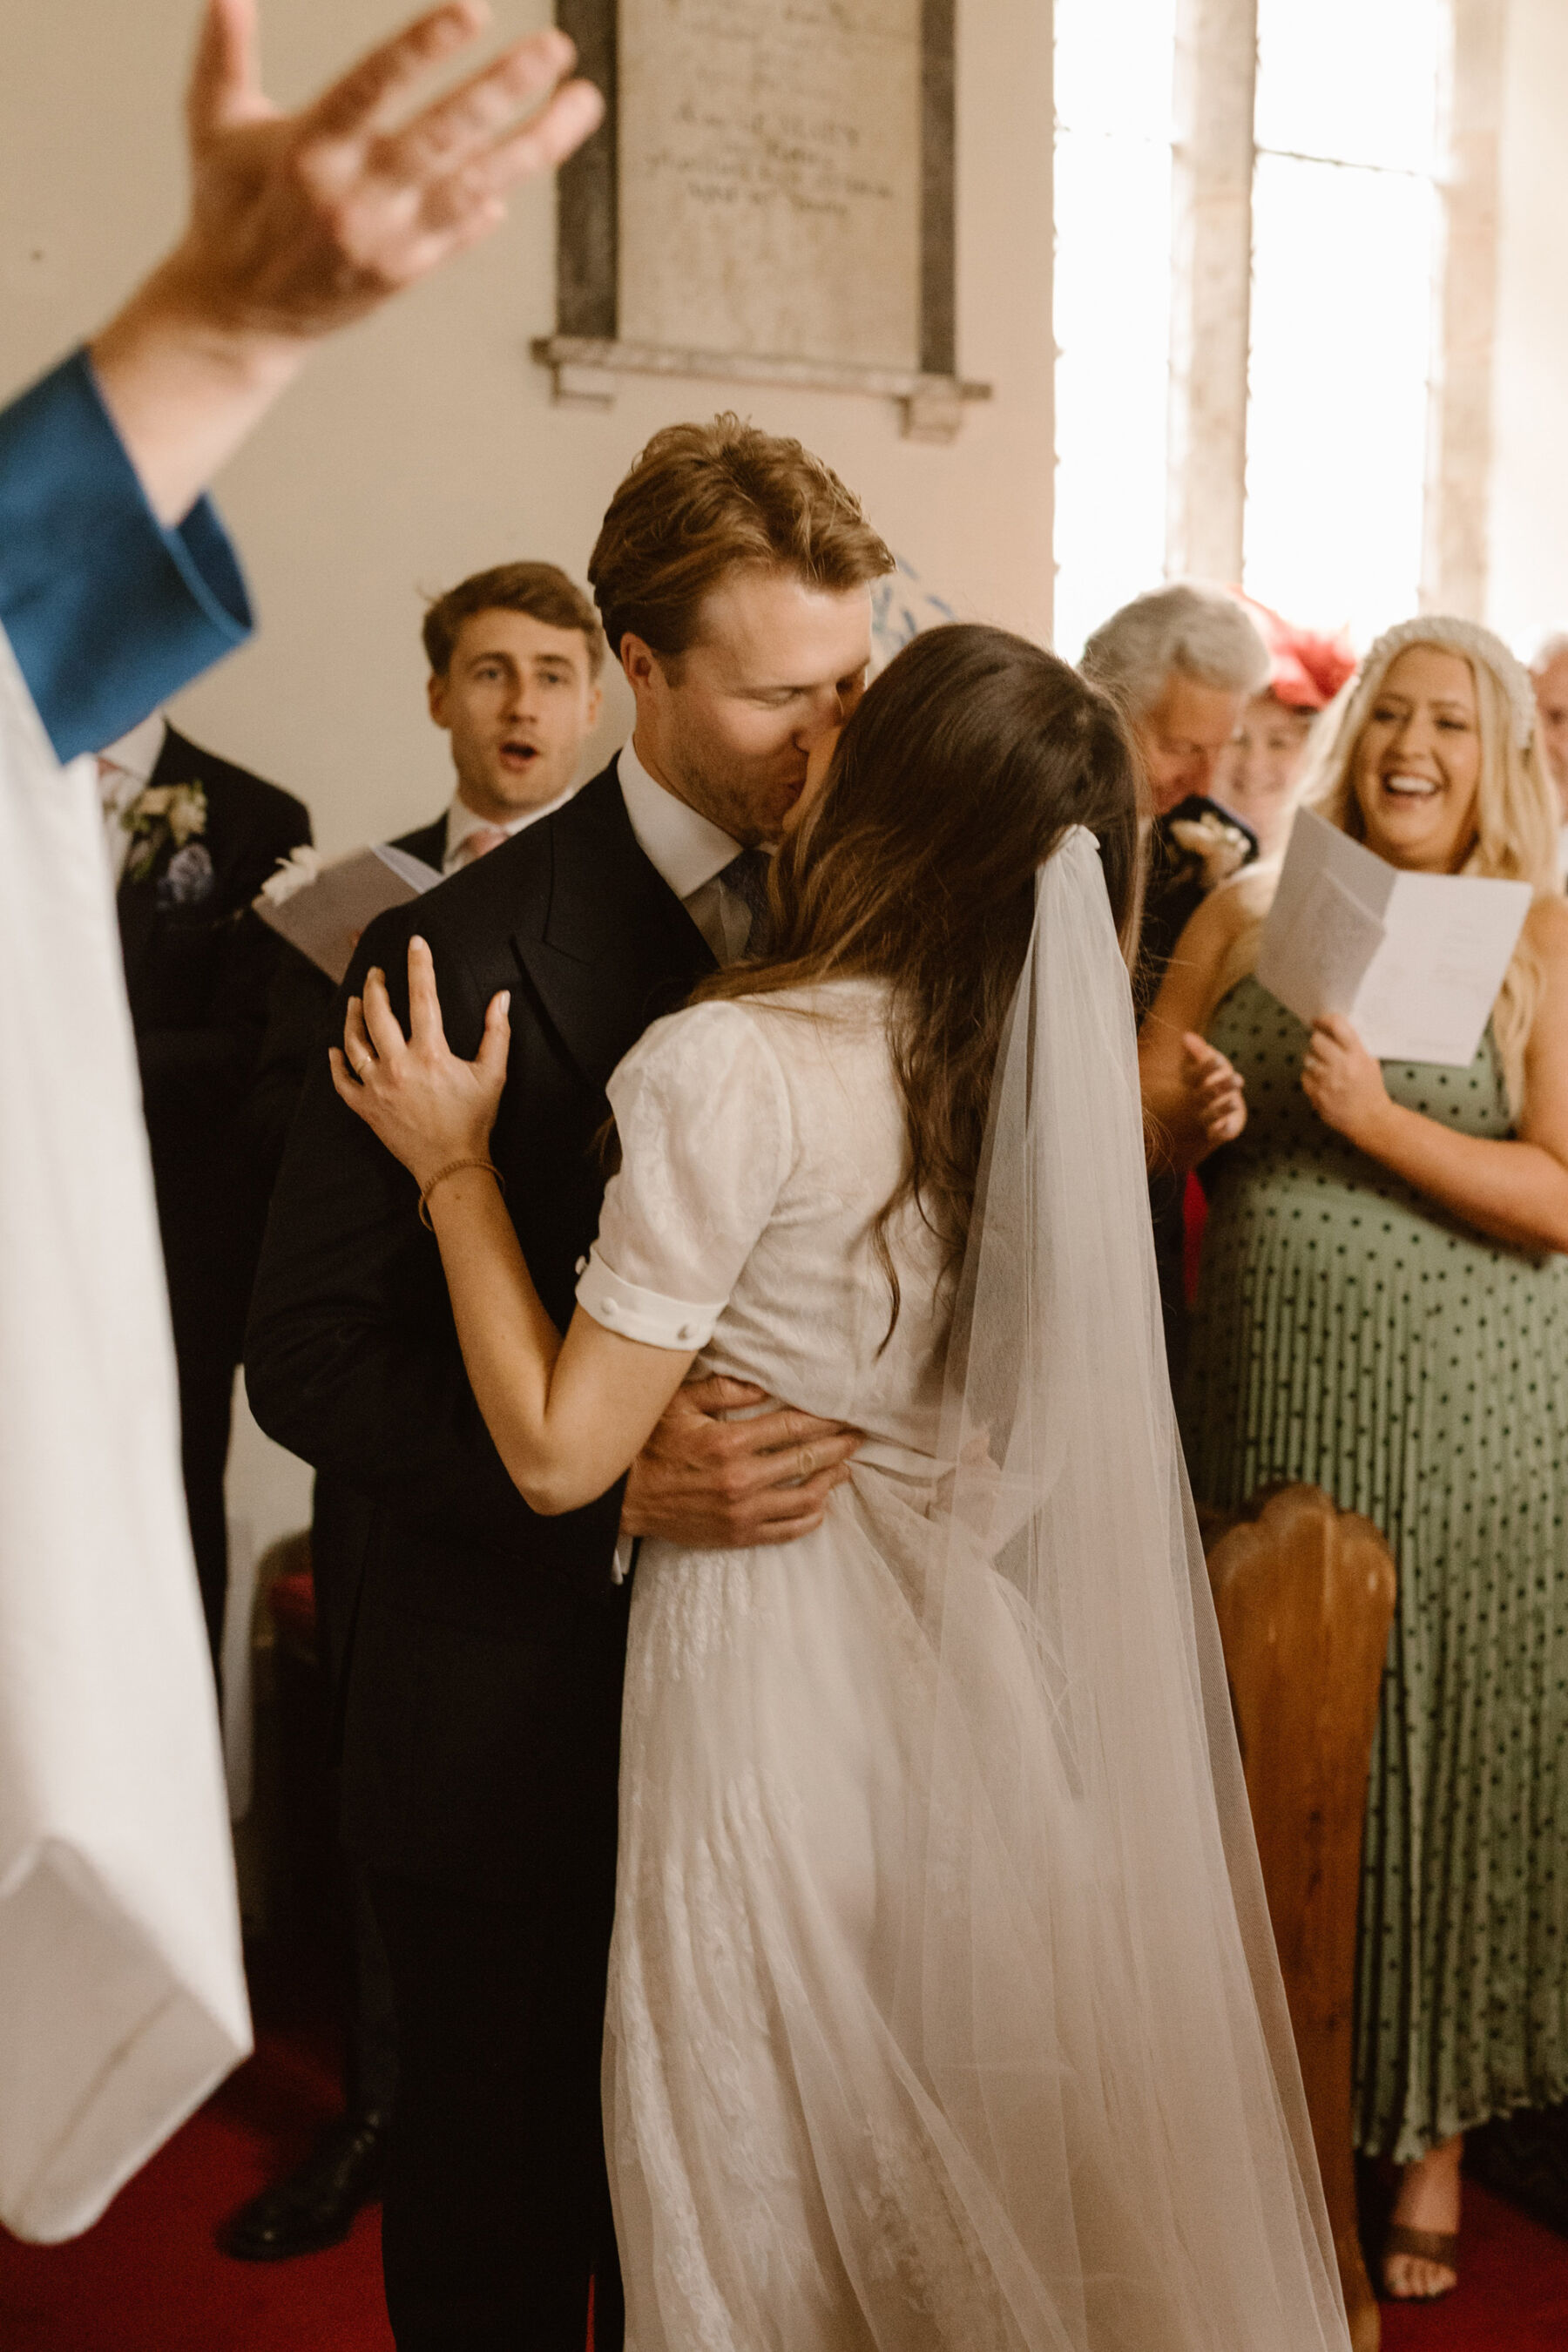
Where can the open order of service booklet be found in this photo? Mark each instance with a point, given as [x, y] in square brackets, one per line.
[1413, 961]
[323, 909]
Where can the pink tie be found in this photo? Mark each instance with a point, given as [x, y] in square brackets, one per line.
[480, 842]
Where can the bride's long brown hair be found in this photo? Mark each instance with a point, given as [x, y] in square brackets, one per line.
[968, 760]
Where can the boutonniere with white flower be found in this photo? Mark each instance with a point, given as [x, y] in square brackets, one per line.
[161, 816]
[295, 872]
[1220, 848]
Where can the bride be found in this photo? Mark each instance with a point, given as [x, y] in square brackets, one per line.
[943, 2007]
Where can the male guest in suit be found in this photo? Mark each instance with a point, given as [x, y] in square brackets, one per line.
[1182, 661]
[515, 655]
[192, 838]
[483, 1689]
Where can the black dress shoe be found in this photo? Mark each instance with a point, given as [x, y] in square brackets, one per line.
[314, 2205]
[1524, 2158]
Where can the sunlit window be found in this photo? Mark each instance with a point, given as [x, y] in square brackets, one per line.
[1344, 247]
[1112, 303]
[1341, 312]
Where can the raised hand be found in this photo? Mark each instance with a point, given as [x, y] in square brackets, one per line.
[303, 223]
[1216, 1089]
[427, 1106]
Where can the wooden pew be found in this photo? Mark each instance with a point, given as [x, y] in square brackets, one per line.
[1305, 1594]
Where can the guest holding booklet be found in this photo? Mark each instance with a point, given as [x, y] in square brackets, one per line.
[1384, 1313]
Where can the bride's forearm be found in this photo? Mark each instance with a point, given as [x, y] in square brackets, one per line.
[568, 1417]
[509, 1345]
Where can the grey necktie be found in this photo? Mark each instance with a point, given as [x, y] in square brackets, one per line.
[747, 876]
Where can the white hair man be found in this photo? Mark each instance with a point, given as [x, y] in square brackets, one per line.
[1183, 662]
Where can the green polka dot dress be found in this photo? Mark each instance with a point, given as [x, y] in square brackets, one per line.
[1350, 1333]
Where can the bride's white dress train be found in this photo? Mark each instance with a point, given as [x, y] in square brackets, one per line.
[880, 2071]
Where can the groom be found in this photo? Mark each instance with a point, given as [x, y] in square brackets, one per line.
[481, 1696]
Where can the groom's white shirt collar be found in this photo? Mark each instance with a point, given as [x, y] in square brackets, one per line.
[687, 848]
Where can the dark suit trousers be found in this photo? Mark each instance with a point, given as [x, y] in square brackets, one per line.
[341, 1523]
[497, 2207]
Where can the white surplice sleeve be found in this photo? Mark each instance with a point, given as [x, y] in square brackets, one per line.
[704, 1118]
[123, 1998]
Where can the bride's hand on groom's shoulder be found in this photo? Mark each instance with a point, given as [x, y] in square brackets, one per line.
[426, 1104]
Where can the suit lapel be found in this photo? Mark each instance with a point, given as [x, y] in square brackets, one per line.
[612, 948]
[427, 842]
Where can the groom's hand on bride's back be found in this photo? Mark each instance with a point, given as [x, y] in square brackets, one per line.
[705, 1480]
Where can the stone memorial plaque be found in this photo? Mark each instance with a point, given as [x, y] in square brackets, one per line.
[770, 200]
[770, 178]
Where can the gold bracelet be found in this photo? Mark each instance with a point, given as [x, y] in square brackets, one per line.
[451, 1168]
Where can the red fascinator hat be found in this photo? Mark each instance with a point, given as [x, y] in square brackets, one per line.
[1308, 670]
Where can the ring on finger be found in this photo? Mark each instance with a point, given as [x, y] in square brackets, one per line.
[807, 1460]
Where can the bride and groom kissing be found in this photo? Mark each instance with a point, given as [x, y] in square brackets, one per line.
[939, 2008]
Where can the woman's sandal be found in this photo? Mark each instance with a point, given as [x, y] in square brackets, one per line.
[1426, 2246]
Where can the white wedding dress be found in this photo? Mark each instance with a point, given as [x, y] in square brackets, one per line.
[796, 2156]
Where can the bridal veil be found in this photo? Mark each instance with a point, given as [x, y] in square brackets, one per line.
[943, 2012]
[1086, 1982]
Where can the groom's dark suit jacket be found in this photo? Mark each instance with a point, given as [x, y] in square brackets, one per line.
[299, 1021]
[299, 1031]
[483, 1682]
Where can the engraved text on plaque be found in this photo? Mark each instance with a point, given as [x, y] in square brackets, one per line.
[770, 178]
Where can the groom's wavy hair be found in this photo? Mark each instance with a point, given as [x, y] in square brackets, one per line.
[702, 498]
[969, 759]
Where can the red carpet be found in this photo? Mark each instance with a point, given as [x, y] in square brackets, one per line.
[149, 2278]
[1512, 2295]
